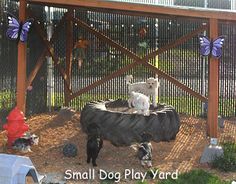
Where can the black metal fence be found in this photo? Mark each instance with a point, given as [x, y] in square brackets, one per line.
[141, 35]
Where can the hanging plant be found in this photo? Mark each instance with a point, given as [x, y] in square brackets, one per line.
[142, 47]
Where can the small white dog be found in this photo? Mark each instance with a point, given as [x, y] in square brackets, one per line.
[148, 88]
[140, 103]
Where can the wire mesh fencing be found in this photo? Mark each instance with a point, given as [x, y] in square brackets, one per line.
[141, 35]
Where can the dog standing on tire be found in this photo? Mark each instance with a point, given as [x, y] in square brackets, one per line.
[148, 88]
[94, 143]
[140, 103]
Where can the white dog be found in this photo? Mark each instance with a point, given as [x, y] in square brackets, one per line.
[140, 103]
[148, 88]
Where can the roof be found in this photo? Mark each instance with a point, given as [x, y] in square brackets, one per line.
[135, 7]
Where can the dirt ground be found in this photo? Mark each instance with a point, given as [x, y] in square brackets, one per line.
[181, 154]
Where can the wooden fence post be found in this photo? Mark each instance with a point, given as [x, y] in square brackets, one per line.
[21, 64]
[213, 93]
[69, 48]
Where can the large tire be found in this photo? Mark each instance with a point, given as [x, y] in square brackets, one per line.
[123, 129]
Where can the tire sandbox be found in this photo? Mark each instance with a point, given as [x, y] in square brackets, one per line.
[118, 124]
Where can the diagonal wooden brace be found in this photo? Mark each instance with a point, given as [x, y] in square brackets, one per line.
[40, 59]
[138, 60]
[50, 50]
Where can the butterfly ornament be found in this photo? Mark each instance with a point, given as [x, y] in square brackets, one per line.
[208, 47]
[17, 30]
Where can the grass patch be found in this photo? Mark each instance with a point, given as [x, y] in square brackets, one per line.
[7, 102]
[142, 182]
[226, 162]
[183, 104]
[7, 99]
[195, 177]
[227, 107]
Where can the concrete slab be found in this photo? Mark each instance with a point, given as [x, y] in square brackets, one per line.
[210, 152]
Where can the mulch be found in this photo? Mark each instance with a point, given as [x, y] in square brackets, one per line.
[182, 154]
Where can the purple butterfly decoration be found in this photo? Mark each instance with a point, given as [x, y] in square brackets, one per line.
[17, 30]
[214, 47]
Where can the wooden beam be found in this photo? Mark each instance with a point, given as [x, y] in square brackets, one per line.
[103, 80]
[138, 60]
[69, 48]
[176, 42]
[21, 64]
[36, 69]
[146, 14]
[213, 93]
[155, 9]
[50, 50]
[41, 58]
[129, 53]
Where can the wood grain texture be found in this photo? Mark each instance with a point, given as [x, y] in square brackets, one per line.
[21, 64]
[41, 58]
[213, 93]
[138, 60]
[69, 48]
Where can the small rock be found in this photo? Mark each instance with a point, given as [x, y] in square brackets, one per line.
[221, 122]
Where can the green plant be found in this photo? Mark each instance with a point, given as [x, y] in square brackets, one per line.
[228, 104]
[195, 177]
[142, 48]
[7, 99]
[142, 182]
[226, 162]
[110, 177]
[150, 172]
[106, 182]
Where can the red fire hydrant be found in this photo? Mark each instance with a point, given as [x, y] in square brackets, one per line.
[15, 126]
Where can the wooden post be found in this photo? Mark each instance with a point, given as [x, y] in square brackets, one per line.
[69, 48]
[21, 64]
[213, 93]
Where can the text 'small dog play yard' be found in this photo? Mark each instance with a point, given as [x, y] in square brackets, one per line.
[119, 91]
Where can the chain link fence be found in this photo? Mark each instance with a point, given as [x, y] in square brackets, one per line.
[141, 35]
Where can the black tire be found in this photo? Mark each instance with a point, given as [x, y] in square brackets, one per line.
[123, 129]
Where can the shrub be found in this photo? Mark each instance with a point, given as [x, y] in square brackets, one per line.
[226, 162]
[195, 177]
